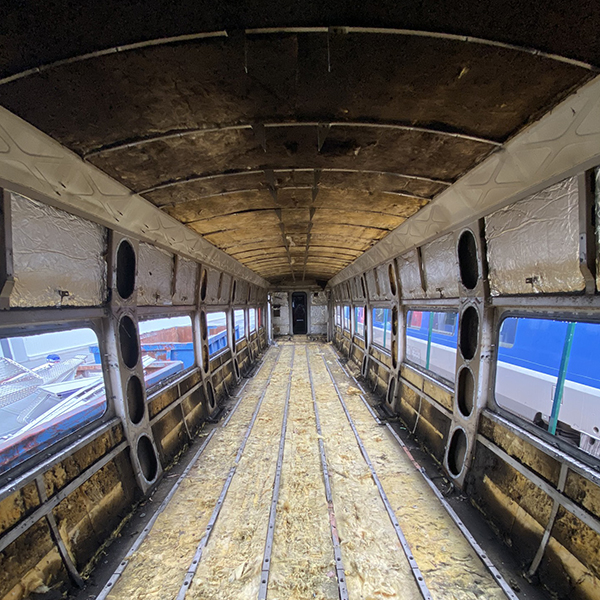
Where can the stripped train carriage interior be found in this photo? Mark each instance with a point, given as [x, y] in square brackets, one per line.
[300, 301]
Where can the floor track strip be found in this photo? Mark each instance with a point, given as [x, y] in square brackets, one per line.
[337, 551]
[138, 542]
[215, 514]
[498, 577]
[392, 515]
[266, 564]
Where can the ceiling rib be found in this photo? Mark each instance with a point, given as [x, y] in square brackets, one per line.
[260, 132]
[198, 178]
[291, 30]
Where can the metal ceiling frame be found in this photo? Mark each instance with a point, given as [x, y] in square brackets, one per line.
[37, 166]
[115, 147]
[563, 142]
[337, 30]
[239, 173]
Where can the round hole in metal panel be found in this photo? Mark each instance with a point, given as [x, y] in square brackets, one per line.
[125, 274]
[469, 332]
[205, 358]
[392, 279]
[147, 458]
[391, 392]
[128, 342]
[394, 351]
[236, 368]
[135, 400]
[211, 394]
[203, 325]
[465, 392]
[467, 259]
[203, 285]
[457, 452]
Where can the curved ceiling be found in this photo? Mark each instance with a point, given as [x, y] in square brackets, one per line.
[292, 149]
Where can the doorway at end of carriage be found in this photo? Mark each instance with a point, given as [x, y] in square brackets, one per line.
[299, 313]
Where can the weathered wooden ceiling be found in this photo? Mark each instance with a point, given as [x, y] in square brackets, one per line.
[293, 151]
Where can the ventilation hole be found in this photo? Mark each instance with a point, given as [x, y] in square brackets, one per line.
[125, 269]
[465, 392]
[147, 458]
[249, 294]
[394, 351]
[364, 287]
[135, 400]
[211, 394]
[467, 260]
[233, 287]
[205, 358]
[236, 368]
[469, 333]
[203, 325]
[457, 452]
[392, 279]
[128, 341]
[203, 285]
[391, 393]
[395, 320]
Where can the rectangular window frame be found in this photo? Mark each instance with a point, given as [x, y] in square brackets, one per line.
[356, 321]
[251, 328]
[346, 318]
[167, 381]
[99, 424]
[227, 329]
[410, 311]
[243, 336]
[526, 429]
[387, 333]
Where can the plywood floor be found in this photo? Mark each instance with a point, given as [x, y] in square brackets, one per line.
[302, 564]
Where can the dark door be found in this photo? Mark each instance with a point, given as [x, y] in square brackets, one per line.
[299, 317]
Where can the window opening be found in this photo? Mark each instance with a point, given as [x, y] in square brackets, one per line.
[51, 385]
[431, 341]
[359, 321]
[217, 332]
[167, 347]
[239, 324]
[338, 315]
[252, 320]
[346, 313]
[382, 327]
[549, 374]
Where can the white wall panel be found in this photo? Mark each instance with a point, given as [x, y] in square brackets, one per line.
[59, 259]
[533, 245]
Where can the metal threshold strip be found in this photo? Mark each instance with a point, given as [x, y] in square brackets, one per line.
[337, 551]
[504, 585]
[390, 511]
[266, 564]
[191, 572]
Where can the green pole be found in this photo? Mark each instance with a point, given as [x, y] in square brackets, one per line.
[385, 316]
[429, 340]
[562, 376]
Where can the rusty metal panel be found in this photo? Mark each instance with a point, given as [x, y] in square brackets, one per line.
[186, 281]
[155, 275]
[410, 275]
[441, 269]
